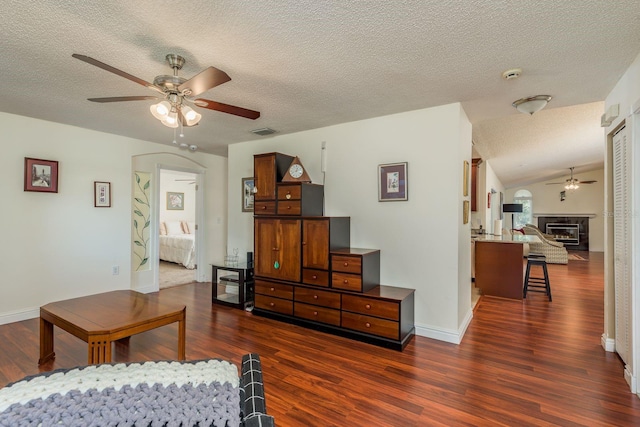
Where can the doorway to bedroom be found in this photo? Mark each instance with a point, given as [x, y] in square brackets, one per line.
[177, 217]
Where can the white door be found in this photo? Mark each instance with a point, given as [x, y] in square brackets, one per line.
[622, 244]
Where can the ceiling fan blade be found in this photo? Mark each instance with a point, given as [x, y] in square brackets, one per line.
[123, 98]
[587, 182]
[226, 108]
[205, 80]
[114, 70]
[555, 183]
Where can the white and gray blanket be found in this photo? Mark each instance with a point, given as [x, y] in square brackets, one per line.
[203, 393]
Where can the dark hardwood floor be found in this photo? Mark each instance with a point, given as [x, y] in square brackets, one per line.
[530, 363]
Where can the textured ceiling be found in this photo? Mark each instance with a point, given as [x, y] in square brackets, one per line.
[310, 63]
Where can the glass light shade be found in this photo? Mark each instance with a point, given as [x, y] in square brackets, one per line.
[190, 116]
[160, 110]
[532, 105]
[170, 120]
[572, 186]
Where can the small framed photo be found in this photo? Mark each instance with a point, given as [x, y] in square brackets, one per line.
[175, 201]
[393, 185]
[247, 194]
[40, 175]
[101, 194]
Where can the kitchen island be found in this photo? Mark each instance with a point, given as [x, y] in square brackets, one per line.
[499, 264]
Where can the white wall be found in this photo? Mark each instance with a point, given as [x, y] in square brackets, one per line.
[419, 239]
[59, 246]
[588, 199]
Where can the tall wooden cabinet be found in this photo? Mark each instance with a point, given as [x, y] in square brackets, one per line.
[307, 274]
[475, 163]
[268, 169]
[277, 250]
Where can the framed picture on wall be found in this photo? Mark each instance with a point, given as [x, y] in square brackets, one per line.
[247, 194]
[40, 175]
[175, 201]
[393, 185]
[101, 194]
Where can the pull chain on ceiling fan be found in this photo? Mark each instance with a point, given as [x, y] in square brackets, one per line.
[175, 93]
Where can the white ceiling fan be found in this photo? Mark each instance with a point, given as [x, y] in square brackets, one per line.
[187, 180]
[572, 183]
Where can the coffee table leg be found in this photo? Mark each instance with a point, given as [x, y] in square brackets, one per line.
[182, 329]
[46, 342]
[99, 349]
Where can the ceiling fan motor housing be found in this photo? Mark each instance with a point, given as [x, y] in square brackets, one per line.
[169, 83]
[175, 61]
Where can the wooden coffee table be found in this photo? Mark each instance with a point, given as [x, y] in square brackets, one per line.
[104, 318]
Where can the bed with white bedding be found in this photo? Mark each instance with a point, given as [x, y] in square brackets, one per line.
[178, 247]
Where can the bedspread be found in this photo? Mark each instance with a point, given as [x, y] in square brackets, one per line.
[179, 248]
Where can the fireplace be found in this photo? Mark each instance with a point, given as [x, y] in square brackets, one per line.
[573, 231]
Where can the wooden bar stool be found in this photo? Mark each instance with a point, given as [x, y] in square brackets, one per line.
[536, 284]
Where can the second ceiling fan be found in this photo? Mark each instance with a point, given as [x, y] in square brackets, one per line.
[176, 94]
[572, 183]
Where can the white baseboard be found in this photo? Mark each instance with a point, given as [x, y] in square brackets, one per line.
[18, 316]
[609, 344]
[146, 289]
[630, 379]
[446, 335]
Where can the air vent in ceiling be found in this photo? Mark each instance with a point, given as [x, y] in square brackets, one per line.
[263, 131]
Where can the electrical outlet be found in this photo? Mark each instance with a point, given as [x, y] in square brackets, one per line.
[115, 270]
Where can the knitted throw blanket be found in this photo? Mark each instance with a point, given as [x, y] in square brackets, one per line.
[203, 393]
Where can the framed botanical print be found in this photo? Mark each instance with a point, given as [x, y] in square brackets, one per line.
[175, 201]
[101, 194]
[393, 185]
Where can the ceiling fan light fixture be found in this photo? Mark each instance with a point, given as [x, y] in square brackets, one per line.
[191, 117]
[170, 120]
[532, 104]
[160, 110]
[572, 186]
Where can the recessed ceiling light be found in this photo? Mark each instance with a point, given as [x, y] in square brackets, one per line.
[513, 73]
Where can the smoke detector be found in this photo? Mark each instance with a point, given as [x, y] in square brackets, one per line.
[513, 73]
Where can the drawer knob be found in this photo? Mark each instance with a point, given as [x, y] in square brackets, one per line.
[368, 325]
[263, 208]
[273, 304]
[346, 281]
[288, 207]
[346, 264]
[315, 313]
[368, 306]
[314, 277]
[315, 297]
[273, 289]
